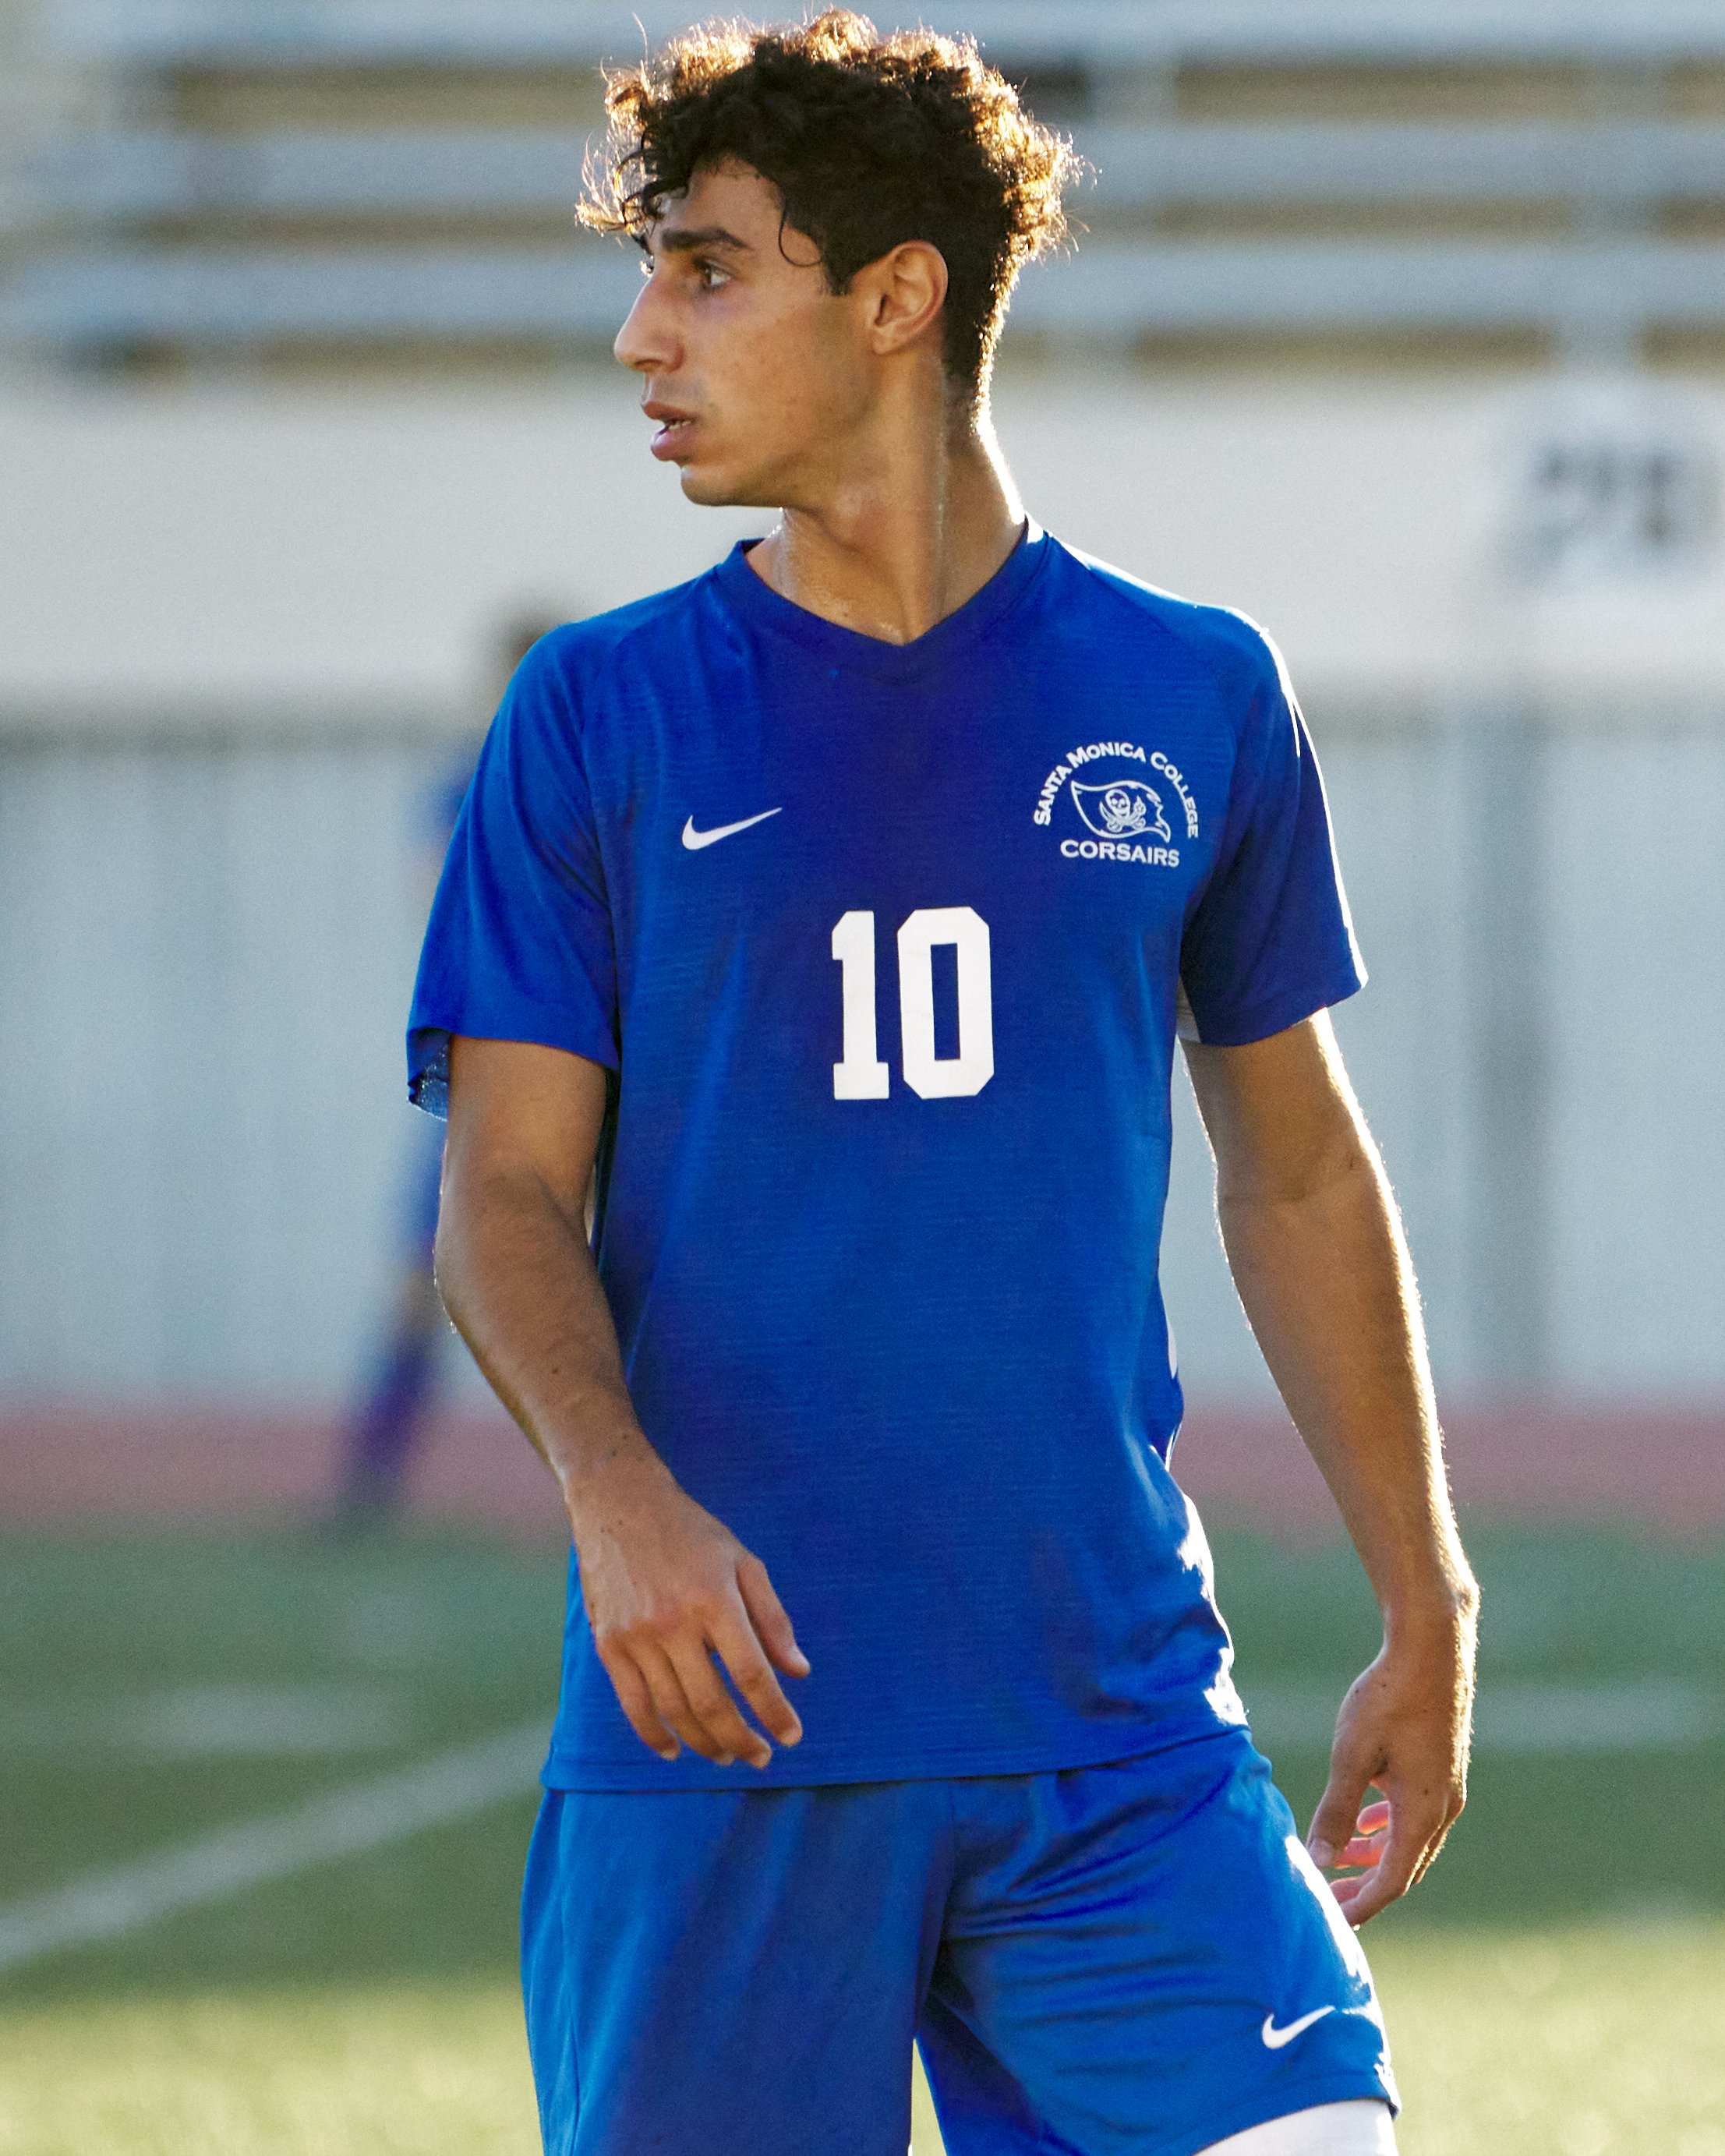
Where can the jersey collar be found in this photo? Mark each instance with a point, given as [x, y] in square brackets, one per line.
[845, 650]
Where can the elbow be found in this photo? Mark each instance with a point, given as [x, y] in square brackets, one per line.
[490, 1211]
[461, 1202]
[445, 1257]
[1342, 1168]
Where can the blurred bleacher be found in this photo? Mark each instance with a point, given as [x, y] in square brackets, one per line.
[307, 177]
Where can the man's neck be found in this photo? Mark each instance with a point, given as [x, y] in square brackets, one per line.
[892, 549]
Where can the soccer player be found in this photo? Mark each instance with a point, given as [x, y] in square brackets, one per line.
[836, 914]
[390, 1420]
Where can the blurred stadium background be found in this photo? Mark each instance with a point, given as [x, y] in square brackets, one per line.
[1400, 325]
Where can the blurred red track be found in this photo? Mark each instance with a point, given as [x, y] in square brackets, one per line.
[64, 1468]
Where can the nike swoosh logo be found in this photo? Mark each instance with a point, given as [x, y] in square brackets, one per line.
[695, 840]
[1275, 2038]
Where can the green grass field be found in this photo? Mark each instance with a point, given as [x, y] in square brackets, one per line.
[1558, 1985]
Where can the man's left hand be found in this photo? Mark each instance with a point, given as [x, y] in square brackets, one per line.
[1404, 1729]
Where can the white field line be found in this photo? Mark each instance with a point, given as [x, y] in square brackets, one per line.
[211, 1721]
[1520, 1717]
[106, 1904]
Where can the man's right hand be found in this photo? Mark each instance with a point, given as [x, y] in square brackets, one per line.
[668, 1588]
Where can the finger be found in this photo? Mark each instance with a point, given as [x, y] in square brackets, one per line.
[1348, 1892]
[1333, 1824]
[1429, 1856]
[714, 1707]
[1409, 1837]
[772, 1628]
[636, 1702]
[1348, 1889]
[1368, 1844]
[672, 1705]
[739, 1647]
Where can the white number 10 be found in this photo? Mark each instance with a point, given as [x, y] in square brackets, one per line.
[862, 1076]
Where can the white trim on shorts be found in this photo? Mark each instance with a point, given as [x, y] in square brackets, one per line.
[1361, 2127]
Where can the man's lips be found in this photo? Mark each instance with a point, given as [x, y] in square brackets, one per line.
[674, 428]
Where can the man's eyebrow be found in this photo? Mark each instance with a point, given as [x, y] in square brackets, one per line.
[689, 240]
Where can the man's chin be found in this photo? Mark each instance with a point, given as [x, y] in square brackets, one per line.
[710, 487]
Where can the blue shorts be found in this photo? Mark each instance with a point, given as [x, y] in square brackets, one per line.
[1135, 1959]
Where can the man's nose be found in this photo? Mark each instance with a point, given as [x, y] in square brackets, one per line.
[643, 342]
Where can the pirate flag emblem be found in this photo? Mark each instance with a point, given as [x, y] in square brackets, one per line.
[1124, 809]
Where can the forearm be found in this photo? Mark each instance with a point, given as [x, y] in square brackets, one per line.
[1317, 1249]
[518, 1279]
[1326, 1280]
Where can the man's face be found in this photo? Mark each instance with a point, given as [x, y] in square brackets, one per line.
[758, 374]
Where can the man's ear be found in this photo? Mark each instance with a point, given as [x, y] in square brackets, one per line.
[905, 291]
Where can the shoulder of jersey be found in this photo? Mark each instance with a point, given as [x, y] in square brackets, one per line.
[1221, 637]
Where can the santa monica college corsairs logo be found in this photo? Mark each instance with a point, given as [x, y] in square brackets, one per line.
[1124, 809]
[1129, 815]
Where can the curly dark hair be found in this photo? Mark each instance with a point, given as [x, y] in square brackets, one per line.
[871, 141]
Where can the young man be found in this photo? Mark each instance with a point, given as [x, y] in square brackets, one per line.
[836, 913]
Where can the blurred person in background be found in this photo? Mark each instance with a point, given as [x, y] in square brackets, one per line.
[386, 1424]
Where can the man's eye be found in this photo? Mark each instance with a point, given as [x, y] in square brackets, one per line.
[712, 275]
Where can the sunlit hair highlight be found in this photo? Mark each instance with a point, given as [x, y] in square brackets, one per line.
[871, 141]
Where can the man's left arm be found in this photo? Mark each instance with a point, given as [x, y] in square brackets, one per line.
[1317, 1251]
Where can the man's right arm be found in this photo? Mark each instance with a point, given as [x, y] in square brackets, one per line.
[666, 1585]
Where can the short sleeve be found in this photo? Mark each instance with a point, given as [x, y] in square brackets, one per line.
[520, 945]
[1270, 942]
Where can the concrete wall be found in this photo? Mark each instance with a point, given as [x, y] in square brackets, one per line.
[203, 548]
[206, 958]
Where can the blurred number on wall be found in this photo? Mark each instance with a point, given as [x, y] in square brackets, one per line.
[1616, 484]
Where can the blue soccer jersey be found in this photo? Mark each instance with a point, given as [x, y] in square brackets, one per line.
[886, 947]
